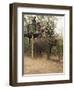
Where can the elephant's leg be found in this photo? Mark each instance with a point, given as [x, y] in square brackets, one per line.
[36, 50]
[49, 51]
[40, 51]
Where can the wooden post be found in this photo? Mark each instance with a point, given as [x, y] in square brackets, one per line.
[32, 48]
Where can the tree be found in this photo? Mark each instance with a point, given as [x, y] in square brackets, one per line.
[43, 22]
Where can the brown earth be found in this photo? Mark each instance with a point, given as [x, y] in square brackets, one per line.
[42, 65]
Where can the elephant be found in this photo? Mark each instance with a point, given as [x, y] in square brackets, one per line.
[45, 45]
[40, 46]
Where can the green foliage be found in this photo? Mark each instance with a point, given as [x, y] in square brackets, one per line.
[26, 43]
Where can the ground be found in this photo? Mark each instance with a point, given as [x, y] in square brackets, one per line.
[42, 65]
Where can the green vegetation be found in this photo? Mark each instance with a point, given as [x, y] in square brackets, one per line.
[44, 28]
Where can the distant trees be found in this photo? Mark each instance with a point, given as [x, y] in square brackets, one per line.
[44, 26]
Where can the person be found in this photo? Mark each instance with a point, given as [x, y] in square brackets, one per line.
[34, 24]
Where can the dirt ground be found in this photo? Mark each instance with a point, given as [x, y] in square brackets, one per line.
[42, 65]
